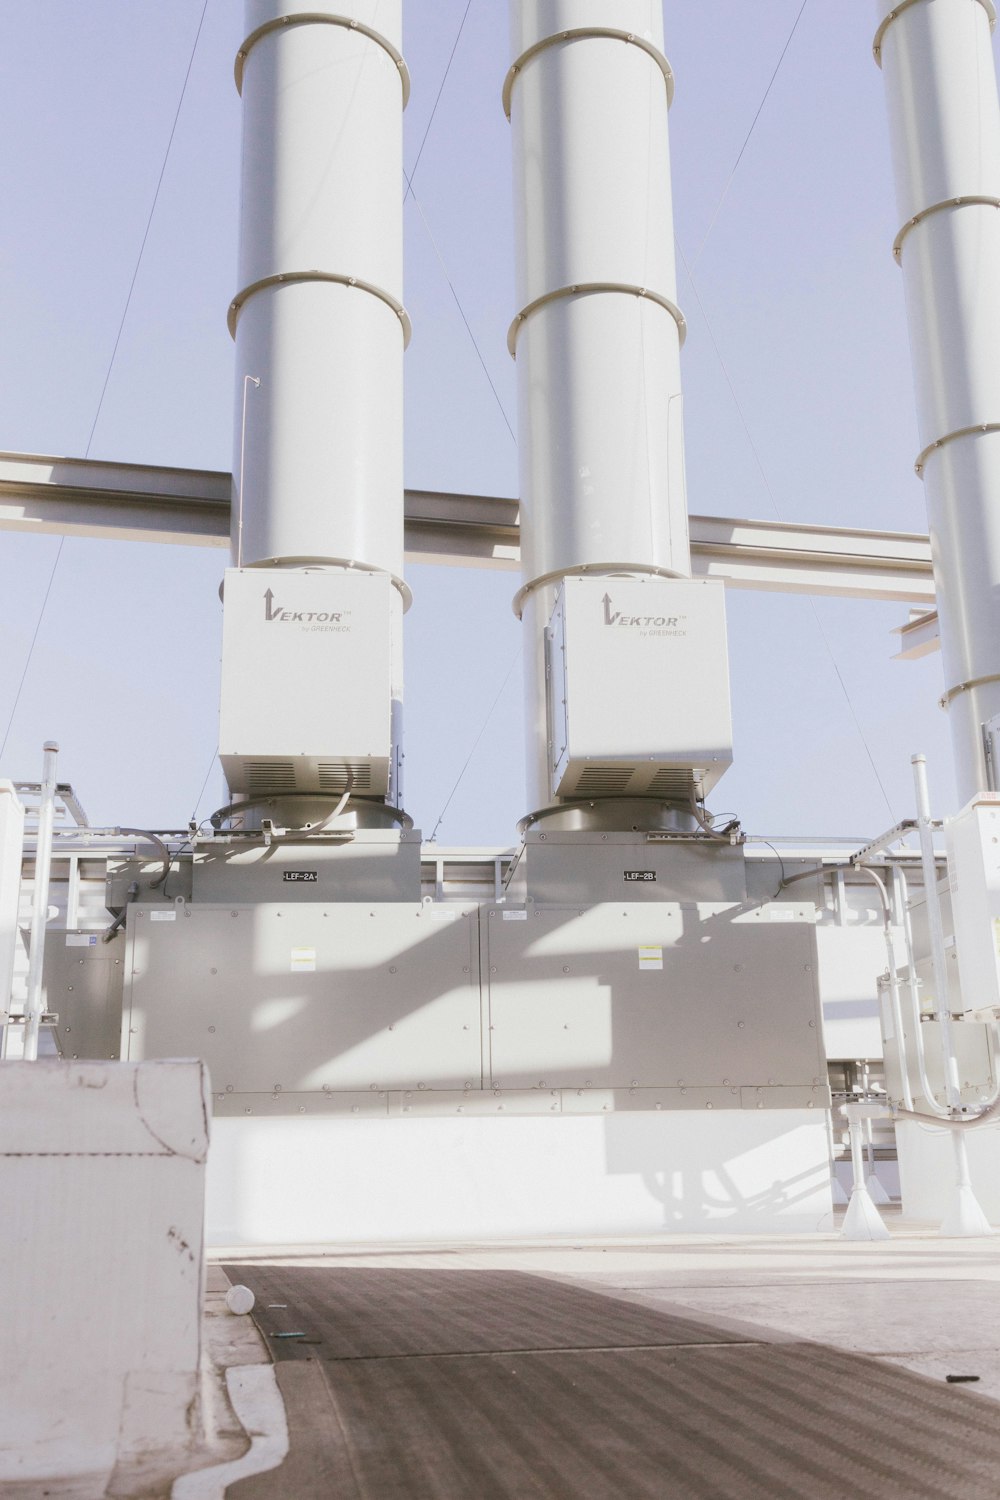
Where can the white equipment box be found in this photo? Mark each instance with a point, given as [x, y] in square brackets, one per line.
[973, 842]
[638, 688]
[307, 681]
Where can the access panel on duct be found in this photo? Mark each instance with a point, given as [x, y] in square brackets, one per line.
[307, 682]
[638, 688]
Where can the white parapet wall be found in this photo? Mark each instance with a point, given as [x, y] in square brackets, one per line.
[102, 1168]
[329, 1181]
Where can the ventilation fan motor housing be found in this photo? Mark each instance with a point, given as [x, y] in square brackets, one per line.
[638, 688]
[308, 682]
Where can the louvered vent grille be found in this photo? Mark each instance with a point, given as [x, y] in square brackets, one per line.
[270, 778]
[671, 782]
[334, 774]
[603, 781]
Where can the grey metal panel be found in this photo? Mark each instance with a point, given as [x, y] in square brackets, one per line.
[398, 1103]
[570, 868]
[613, 1101]
[377, 865]
[292, 997]
[478, 1101]
[791, 1096]
[125, 870]
[577, 1000]
[83, 983]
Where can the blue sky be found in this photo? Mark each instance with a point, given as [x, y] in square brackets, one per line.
[796, 375]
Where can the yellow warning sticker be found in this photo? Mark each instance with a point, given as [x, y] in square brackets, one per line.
[651, 956]
[303, 961]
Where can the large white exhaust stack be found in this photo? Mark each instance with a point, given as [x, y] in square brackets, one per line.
[597, 342]
[944, 122]
[311, 676]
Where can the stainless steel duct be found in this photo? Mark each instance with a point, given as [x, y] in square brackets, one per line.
[320, 331]
[597, 340]
[944, 125]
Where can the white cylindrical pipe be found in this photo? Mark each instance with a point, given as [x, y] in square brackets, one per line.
[944, 123]
[935, 925]
[597, 334]
[318, 317]
[40, 901]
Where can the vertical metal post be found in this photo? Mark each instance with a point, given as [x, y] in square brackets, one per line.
[248, 381]
[939, 963]
[857, 1159]
[40, 901]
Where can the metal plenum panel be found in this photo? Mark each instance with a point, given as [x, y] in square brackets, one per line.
[83, 985]
[375, 864]
[680, 995]
[302, 998]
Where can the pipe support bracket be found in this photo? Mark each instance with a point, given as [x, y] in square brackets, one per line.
[610, 570]
[321, 18]
[290, 278]
[949, 437]
[587, 288]
[965, 687]
[901, 5]
[583, 33]
[980, 200]
[346, 564]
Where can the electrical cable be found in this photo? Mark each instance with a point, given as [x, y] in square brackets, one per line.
[231, 809]
[746, 141]
[320, 827]
[31, 648]
[437, 101]
[461, 310]
[701, 817]
[409, 193]
[475, 743]
[194, 811]
[111, 362]
[161, 849]
[774, 505]
[781, 866]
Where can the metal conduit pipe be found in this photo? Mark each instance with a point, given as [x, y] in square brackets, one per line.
[897, 1008]
[944, 125]
[597, 333]
[40, 901]
[935, 924]
[935, 1113]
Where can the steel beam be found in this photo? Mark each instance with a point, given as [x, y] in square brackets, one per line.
[920, 636]
[128, 502]
[141, 502]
